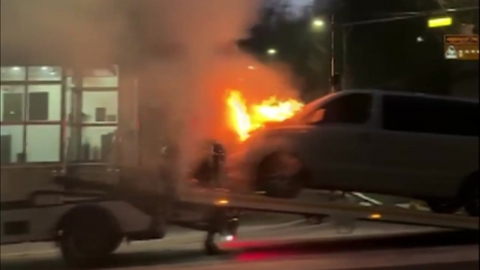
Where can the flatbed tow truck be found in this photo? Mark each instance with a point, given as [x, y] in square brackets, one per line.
[89, 222]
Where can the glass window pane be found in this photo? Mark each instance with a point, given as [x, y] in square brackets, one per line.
[100, 107]
[13, 74]
[44, 73]
[97, 143]
[44, 102]
[12, 143]
[101, 77]
[12, 103]
[43, 143]
[348, 109]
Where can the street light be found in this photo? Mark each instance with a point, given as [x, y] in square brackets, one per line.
[271, 51]
[318, 24]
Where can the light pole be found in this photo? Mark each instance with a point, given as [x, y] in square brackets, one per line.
[333, 79]
[317, 25]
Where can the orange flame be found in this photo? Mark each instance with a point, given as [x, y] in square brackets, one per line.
[244, 120]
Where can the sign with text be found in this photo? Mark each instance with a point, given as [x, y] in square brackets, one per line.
[461, 47]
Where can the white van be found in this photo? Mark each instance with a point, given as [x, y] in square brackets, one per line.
[402, 144]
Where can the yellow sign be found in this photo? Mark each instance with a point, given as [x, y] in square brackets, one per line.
[461, 47]
[440, 22]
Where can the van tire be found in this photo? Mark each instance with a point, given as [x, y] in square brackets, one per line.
[470, 195]
[279, 184]
[88, 237]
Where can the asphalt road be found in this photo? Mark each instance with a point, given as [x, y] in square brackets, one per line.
[285, 245]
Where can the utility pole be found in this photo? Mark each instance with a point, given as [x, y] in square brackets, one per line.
[335, 32]
[332, 53]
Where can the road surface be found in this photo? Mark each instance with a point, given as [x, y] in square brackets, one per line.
[288, 245]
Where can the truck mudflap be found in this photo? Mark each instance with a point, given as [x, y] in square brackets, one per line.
[223, 226]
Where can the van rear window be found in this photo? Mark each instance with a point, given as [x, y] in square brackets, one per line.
[428, 115]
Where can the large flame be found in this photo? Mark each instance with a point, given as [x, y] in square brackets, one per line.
[245, 119]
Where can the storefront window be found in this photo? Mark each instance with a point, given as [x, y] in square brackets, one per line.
[33, 119]
[12, 103]
[13, 74]
[31, 114]
[44, 102]
[97, 143]
[44, 73]
[12, 147]
[97, 102]
[43, 143]
[100, 107]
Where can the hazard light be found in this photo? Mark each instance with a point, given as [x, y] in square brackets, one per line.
[222, 202]
[375, 216]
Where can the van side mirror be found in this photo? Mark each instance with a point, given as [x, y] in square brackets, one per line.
[317, 116]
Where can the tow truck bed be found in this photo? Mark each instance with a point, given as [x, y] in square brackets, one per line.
[144, 215]
[339, 209]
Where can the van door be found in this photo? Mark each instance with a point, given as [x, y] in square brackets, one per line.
[422, 150]
[339, 145]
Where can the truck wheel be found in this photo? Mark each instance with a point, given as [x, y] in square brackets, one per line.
[471, 196]
[444, 207]
[210, 245]
[223, 226]
[315, 219]
[88, 239]
[281, 175]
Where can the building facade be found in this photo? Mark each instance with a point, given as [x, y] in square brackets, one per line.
[62, 80]
[53, 115]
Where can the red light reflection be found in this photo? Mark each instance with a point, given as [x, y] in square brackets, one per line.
[263, 255]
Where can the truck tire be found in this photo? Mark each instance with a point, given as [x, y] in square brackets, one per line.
[88, 236]
[281, 175]
[470, 195]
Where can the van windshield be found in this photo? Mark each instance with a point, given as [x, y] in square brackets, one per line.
[306, 111]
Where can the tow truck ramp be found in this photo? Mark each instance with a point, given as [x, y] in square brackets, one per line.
[379, 213]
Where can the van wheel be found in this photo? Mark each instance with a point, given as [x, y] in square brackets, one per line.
[281, 175]
[315, 220]
[444, 207]
[471, 197]
[88, 241]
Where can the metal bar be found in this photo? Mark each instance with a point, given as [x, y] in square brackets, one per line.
[365, 198]
[332, 53]
[372, 213]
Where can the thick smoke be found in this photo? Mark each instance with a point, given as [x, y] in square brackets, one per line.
[187, 47]
[207, 63]
[86, 32]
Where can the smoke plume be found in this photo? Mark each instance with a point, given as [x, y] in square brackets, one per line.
[187, 47]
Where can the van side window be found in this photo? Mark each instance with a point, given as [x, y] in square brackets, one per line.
[349, 109]
[427, 115]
